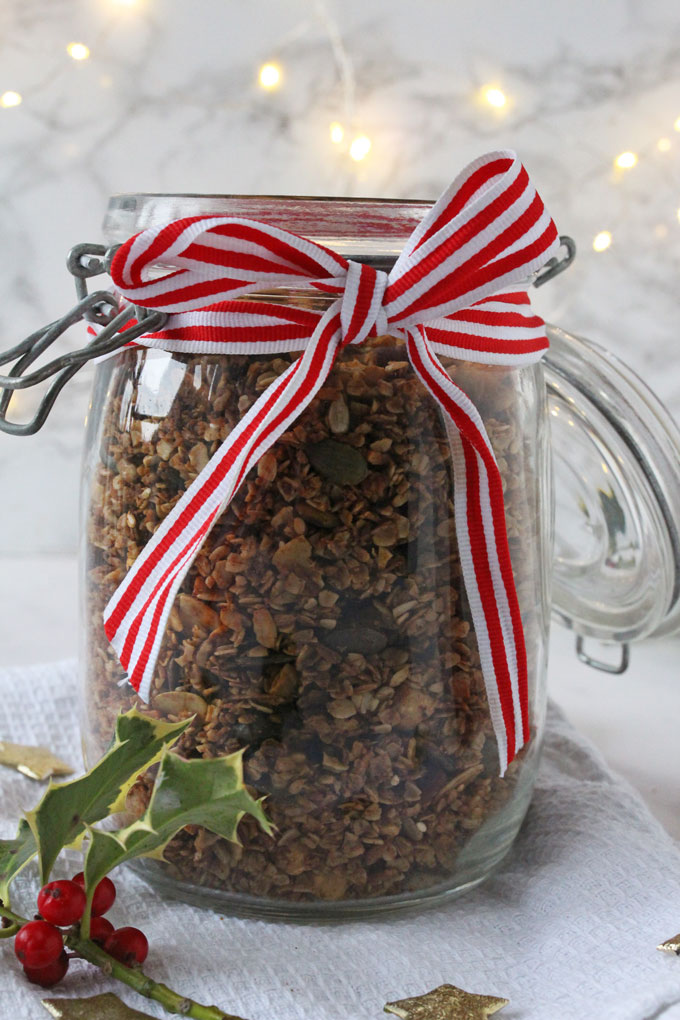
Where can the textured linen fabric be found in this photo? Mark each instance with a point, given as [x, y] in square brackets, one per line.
[566, 930]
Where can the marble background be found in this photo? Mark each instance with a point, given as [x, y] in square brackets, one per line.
[169, 101]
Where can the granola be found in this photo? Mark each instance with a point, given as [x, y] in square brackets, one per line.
[324, 624]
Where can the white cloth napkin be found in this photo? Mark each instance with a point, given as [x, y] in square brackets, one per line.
[566, 930]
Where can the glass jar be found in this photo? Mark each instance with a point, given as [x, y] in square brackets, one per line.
[324, 625]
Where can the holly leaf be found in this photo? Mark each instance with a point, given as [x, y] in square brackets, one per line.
[15, 855]
[66, 810]
[206, 792]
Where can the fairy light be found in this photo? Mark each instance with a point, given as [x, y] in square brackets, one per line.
[494, 97]
[676, 126]
[337, 132]
[125, 3]
[270, 76]
[8, 99]
[78, 51]
[602, 240]
[664, 144]
[678, 215]
[625, 160]
[360, 147]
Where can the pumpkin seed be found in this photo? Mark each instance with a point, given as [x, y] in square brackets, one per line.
[364, 640]
[340, 463]
[180, 703]
[319, 518]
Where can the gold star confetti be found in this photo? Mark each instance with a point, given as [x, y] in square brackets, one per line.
[34, 762]
[97, 1007]
[671, 945]
[446, 1003]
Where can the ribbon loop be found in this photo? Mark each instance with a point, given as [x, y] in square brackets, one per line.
[459, 288]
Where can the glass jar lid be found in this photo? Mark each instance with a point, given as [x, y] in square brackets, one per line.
[616, 457]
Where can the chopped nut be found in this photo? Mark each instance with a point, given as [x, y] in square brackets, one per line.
[164, 449]
[338, 416]
[199, 456]
[265, 628]
[343, 709]
[329, 885]
[295, 553]
[285, 683]
[386, 534]
[195, 613]
[266, 467]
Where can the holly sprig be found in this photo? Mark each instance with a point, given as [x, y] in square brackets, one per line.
[206, 792]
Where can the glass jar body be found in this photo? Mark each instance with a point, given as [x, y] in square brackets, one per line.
[324, 625]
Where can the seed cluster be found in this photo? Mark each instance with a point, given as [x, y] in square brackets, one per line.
[324, 624]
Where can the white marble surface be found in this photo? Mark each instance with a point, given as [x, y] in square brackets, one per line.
[169, 100]
[631, 718]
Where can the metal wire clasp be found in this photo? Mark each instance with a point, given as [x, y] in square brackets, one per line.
[100, 307]
[564, 258]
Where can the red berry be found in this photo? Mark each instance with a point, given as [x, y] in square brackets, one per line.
[38, 944]
[104, 894]
[129, 945]
[49, 975]
[62, 902]
[100, 929]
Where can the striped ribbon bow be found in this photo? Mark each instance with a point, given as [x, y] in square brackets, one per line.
[459, 288]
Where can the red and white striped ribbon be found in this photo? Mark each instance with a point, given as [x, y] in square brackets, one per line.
[459, 288]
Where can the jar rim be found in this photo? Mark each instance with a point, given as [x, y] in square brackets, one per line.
[353, 227]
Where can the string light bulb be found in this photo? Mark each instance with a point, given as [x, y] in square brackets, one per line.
[360, 147]
[664, 144]
[337, 132]
[78, 51]
[676, 126]
[602, 240]
[8, 99]
[625, 160]
[494, 96]
[270, 76]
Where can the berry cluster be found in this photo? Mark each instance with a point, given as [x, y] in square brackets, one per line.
[39, 945]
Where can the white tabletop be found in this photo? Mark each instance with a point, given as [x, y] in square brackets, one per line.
[633, 719]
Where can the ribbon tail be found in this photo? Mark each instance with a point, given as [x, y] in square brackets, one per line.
[136, 616]
[484, 552]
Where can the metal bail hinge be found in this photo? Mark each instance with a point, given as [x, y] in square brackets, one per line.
[604, 667]
[102, 308]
